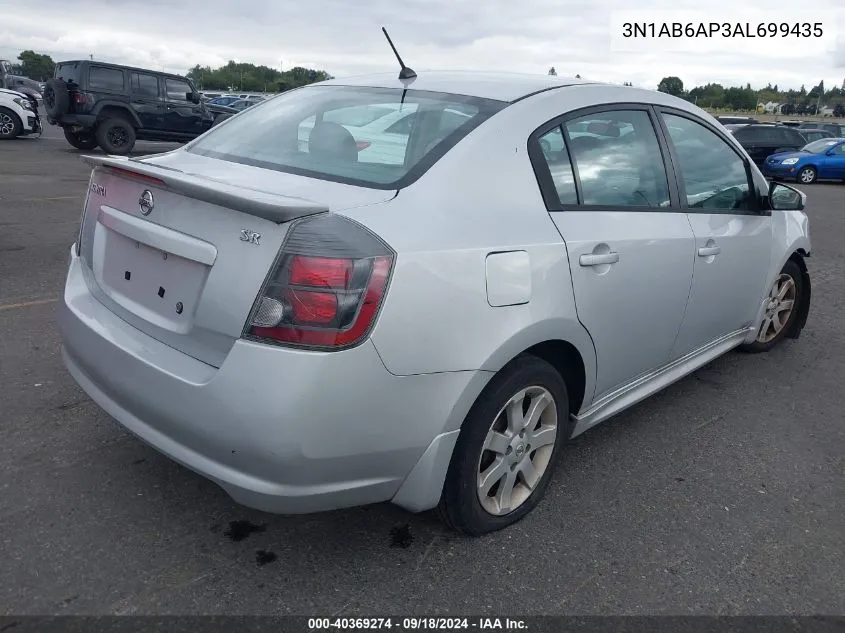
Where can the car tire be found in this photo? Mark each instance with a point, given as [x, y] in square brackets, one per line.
[10, 124]
[489, 442]
[807, 175]
[56, 99]
[790, 282]
[116, 136]
[80, 140]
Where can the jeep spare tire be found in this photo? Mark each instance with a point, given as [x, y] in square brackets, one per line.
[116, 136]
[56, 98]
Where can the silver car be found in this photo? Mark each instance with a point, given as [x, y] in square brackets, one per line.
[313, 329]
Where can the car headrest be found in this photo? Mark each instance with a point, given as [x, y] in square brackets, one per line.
[332, 142]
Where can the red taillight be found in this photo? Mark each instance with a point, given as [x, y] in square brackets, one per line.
[362, 145]
[320, 271]
[327, 300]
[80, 97]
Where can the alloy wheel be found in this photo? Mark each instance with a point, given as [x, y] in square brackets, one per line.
[517, 450]
[807, 176]
[7, 125]
[779, 308]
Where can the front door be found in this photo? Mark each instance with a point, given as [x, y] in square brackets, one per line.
[181, 116]
[146, 100]
[733, 240]
[833, 163]
[630, 246]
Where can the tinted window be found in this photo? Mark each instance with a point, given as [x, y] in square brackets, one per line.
[750, 135]
[176, 89]
[109, 79]
[713, 174]
[618, 159]
[144, 85]
[557, 159]
[840, 149]
[299, 132]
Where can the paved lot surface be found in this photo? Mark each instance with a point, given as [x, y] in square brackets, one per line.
[725, 494]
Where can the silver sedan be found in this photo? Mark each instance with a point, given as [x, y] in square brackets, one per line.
[425, 316]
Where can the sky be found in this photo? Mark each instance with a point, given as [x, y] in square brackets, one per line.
[344, 38]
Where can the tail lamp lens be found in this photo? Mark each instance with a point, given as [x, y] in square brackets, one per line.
[326, 287]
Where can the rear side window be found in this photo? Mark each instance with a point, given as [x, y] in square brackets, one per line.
[177, 90]
[560, 167]
[344, 133]
[144, 85]
[106, 79]
[713, 174]
[618, 160]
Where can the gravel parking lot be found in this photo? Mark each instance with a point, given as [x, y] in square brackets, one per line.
[724, 494]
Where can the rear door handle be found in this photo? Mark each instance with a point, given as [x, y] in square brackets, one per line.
[709, 251]
[599, 260]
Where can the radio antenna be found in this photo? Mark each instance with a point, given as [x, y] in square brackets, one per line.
[404, 72]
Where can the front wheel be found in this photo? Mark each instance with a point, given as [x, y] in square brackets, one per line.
[10, 124]
[807, 175]
[782, 307]
[507, 448]
[116, 136]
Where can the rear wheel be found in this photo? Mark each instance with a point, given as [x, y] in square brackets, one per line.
[82, 139]
[116, 136]
[807, 175]
[507, 449]
[10, 124]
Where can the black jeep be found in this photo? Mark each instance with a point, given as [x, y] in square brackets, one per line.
[112, 106]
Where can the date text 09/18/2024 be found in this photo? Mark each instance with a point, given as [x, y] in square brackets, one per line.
[722, 29]
[416, 624]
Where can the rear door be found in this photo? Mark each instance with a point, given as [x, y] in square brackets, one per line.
[630, 246]
[146, 99]
[181, 116]
[733, 240]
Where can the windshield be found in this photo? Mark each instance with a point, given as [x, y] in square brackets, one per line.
[376, 137]
[817, 147]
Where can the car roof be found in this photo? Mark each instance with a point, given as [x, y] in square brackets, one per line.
[501, 86]
[120, 67]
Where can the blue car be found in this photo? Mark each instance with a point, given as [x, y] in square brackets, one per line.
[824, 159]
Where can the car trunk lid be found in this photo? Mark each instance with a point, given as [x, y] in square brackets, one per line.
[178, 245]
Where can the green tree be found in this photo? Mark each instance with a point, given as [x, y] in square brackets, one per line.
[251, 78]
[36, 66]
[671, 85]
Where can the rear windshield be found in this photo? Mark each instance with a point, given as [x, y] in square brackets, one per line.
[375, 137]
[68, 71]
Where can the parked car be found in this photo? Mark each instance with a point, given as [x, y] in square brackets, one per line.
[763, 140]
[836, 129]
[18, 115]
[18, 83]
[225, 100]
[311, 330]
[814, 135]
[113, 106]
[724, 120]
[242, 104]
[822, 159]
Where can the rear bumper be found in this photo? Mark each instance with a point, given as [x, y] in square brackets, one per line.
[74, 120]
[279, 430]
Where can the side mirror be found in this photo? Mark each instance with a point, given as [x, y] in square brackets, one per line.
[193, 97]
[785, 198]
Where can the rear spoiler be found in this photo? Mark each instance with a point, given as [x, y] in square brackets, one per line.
[262, 204]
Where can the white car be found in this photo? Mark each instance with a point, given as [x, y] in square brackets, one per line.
[17, 115]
